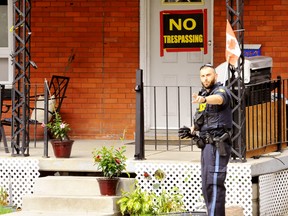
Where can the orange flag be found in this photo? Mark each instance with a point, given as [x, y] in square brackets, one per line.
[232, 47]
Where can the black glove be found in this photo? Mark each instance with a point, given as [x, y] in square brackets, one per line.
[184, 132]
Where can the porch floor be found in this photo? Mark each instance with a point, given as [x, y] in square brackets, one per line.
[81, 157]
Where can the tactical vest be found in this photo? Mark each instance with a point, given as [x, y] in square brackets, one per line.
[215, 117]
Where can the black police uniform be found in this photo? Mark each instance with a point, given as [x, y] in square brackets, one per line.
[216, 120]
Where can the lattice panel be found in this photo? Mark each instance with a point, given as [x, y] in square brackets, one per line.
[187, 177]
[273, 193]
[18, 176]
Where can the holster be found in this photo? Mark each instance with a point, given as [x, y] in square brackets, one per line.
[220, 143]
[208, 138]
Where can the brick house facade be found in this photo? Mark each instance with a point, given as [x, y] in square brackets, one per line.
[103, 36]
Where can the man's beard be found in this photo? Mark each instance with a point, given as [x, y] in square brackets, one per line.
[211, 84]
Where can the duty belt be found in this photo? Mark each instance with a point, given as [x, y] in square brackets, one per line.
[208, 138]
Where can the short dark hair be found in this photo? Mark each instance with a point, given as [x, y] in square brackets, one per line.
[207, 66]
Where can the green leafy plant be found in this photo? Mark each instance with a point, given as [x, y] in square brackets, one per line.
[169, 201]
[111, 161]
[4, 207]
[5, 210]
[58, 128]
[137, 202]
[140, 202]
[3, 197]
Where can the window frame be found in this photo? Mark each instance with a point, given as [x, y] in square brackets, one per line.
[5, 52]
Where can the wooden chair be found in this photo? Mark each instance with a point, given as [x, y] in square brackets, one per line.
[57, 90]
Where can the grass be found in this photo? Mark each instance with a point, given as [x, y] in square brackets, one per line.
[5, 210]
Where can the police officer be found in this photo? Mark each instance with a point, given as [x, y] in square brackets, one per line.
[213, 120]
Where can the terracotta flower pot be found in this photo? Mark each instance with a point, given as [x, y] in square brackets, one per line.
[62, 149]
[108, 186]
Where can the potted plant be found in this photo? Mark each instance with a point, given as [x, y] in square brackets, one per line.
[112, 162]
[60, 141]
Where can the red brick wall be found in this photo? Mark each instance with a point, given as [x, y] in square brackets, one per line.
[104, 36]
[265, 23]
[219, 32]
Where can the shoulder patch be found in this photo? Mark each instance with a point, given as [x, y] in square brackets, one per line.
[221, 90]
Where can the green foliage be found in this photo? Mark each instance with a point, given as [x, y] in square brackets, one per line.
[5, 210]
[110, 161]
[159, 175]
[169, 202]
[58, 128]
[137, 202]
[3, 197]
[140, 202]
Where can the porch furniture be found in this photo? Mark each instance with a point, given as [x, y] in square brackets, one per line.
[57, 89]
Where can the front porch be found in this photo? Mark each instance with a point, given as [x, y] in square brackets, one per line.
[250, 184]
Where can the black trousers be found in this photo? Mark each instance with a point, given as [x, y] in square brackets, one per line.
[213, 173]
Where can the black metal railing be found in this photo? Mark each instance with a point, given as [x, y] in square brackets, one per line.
[167, 113]
[265, 124]
[266, 116]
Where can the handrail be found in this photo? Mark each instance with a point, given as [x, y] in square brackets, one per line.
[266, 131]
[139, 140]
[46, 104]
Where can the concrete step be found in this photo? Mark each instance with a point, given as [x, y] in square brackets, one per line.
[73, 195]
[51, 213]
[104, 204]
[75, 185]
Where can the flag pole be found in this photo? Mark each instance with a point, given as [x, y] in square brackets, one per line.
[226, 72]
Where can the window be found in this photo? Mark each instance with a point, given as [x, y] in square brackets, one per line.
[6, 38]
